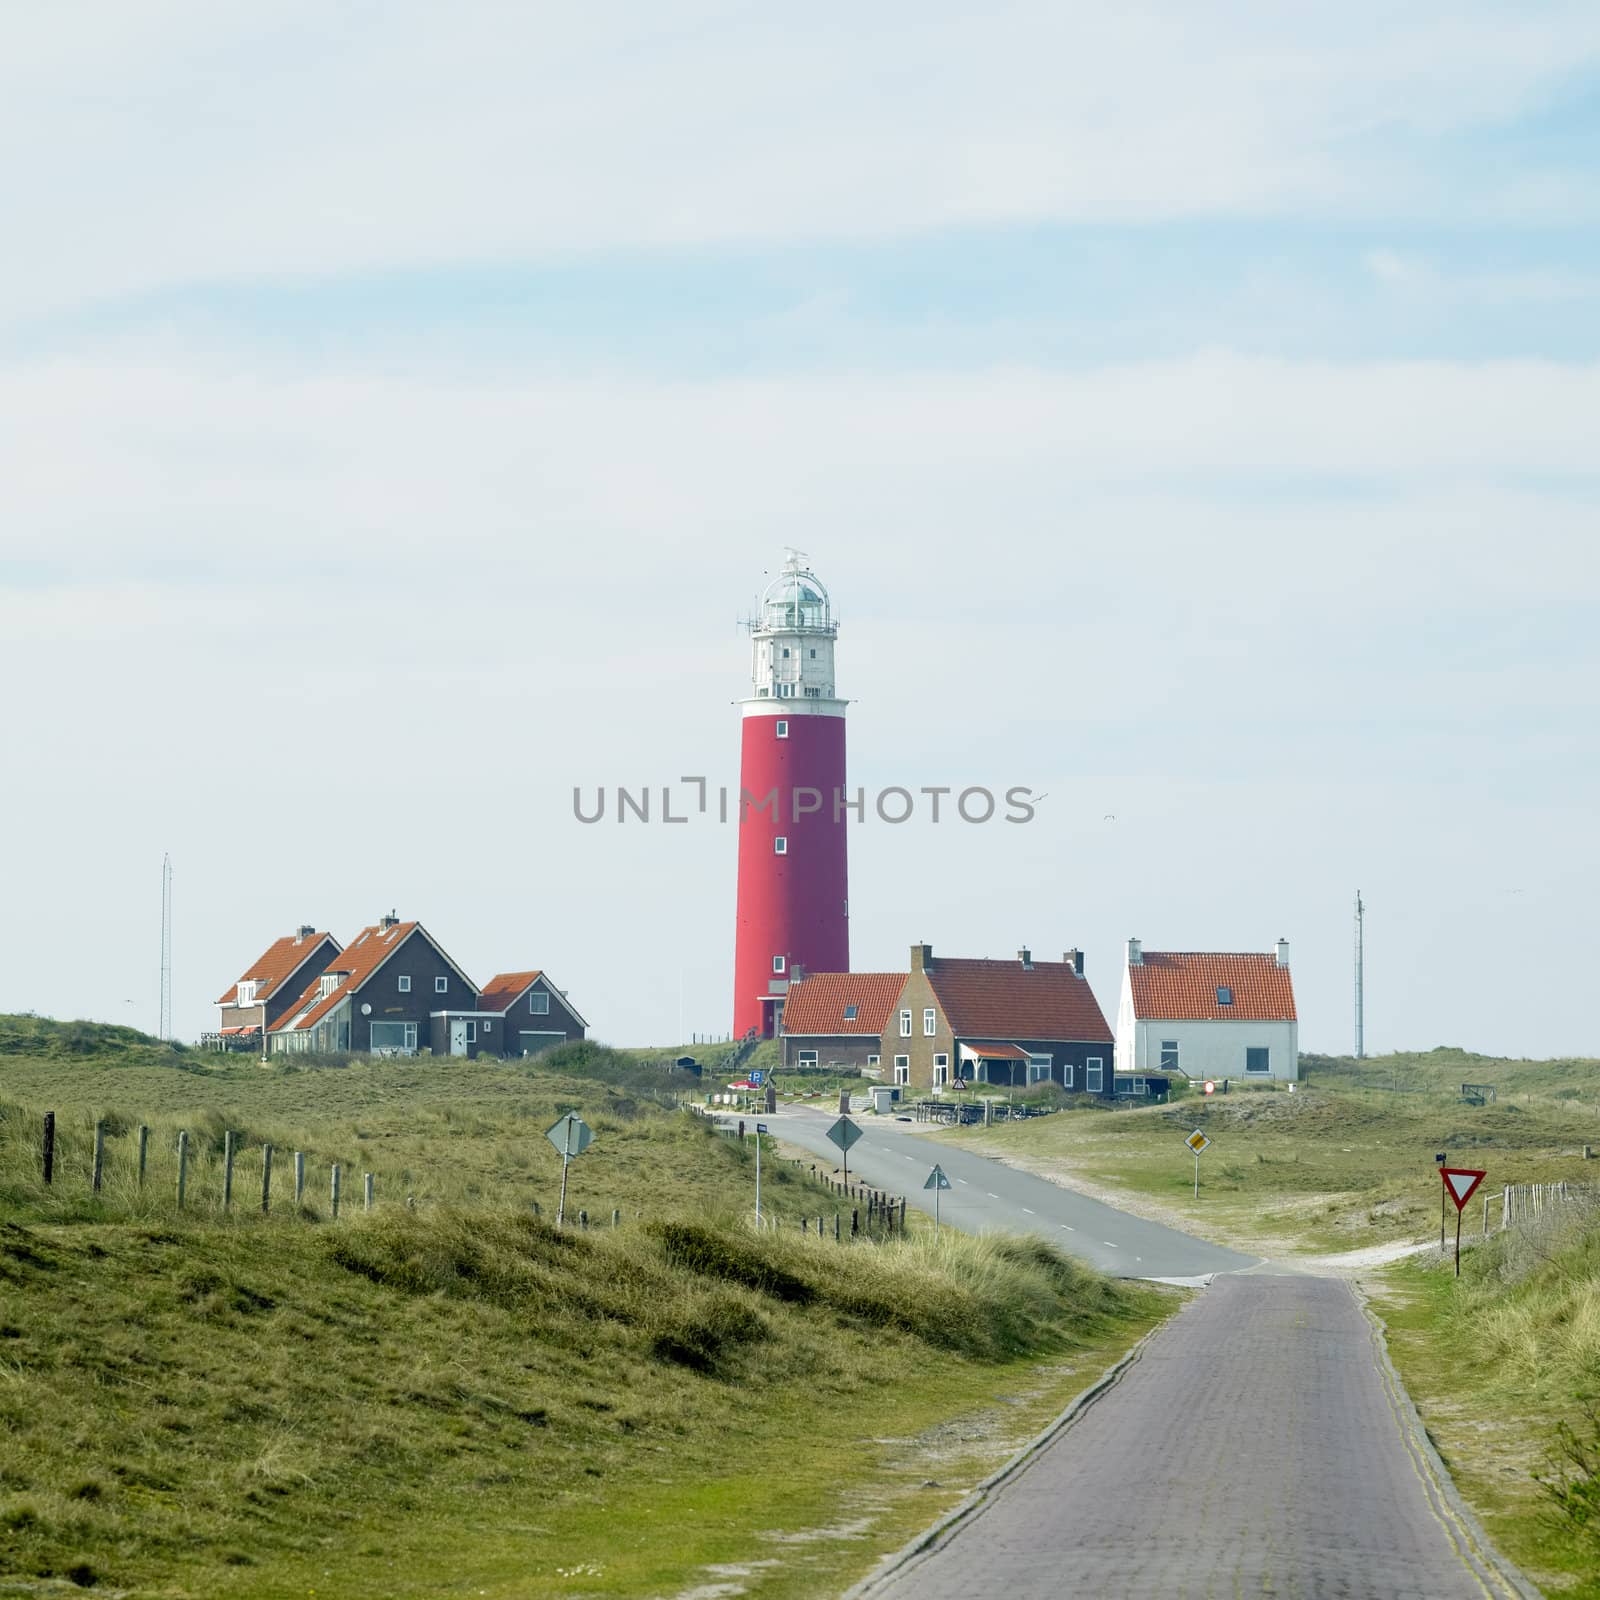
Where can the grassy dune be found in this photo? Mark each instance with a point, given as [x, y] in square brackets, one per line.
[1338, 1164]
[1497, 1361]
[451, 1396]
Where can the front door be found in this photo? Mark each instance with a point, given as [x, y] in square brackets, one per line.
[458, 1036]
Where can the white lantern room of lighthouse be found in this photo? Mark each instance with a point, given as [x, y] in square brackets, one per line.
[793, 636]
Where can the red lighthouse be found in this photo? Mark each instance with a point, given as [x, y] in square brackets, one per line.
[793, 880]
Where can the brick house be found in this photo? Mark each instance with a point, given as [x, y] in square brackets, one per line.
[275, 980]
[999, 1022]
[838, 1019]
[1208, 1014]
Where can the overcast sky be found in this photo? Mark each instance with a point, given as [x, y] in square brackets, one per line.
[1194, 411]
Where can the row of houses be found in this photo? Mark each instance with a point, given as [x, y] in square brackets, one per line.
[393, 990]
[949, 1020]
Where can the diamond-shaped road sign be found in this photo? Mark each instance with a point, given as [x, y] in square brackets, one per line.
[844, 1133]
[1459, 1182]
[937, 1179]
[571, 1135]
[1197, 1141]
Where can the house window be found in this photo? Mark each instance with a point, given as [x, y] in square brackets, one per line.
[327, 983]
[1038, 1069]
[927, 1022]
[1169, 1055]
[488, 1027]
[780, 846]
[1257, 1058]
[247, 993]
[902, 1069]
[441, 985]
[872, 1061]
[806, 1058]
[1067, 1072]
[1094, 1074]
[1224, 995]
[538, 1003]
[813, 655]
[403, 983]
[941, 1071]
[850, 1013]
[472, 1032]
[778, 963]
[905, 1024]
[782, 729]
[394, 1038]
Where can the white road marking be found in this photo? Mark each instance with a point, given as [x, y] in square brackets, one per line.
[1068, 1226]
[1108, 1244]
[991, 1196]
[1027, 1211]
[961, 1180]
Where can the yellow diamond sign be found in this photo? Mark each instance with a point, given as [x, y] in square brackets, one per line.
[1197, 1141]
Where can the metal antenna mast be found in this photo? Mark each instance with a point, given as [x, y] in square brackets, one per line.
[1361, 1000]
[166, 947]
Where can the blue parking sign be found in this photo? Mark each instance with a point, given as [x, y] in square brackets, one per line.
[755, 1078]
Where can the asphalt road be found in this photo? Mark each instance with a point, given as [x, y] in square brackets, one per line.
[1256, 1447]
[984, 1194]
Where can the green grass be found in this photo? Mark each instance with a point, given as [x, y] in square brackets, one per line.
[1336, 1165]
[456, 1398]
[1495, 1361]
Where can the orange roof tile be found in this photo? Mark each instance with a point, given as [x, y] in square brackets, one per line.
[276, 965]
[816, 1003]
[990, 999]
[1181, 986]
[504, 989]
[360, 959]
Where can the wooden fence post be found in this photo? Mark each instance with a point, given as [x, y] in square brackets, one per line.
[855, 1222]
[366, 1191]
[144, 1147]
[266, 1179]
[49, 1147]
[836, 1227]
[183, 1165]
[819, 1227]
[583, 1220]
[616, 1218]
[227, 1170]
[902, 1213]
[334, 1190]
[299, 1176]
[99, 1154]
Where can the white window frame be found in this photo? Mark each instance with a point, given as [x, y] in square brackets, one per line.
[1258, 1072]
[782, 729]
[780, 846]
[408, 1035]
[472, 1031]
[779, 963]
[1039, 1069]
[902, 1069]
[905, 1024]
[872, 1061]
[247, 993]
[1068, 1074]
[535, 1007]
[403, 983]
[1094, 1074]
[441, 984]
[929, 1022]
[488, 1027]
[1177, 1055]
[806, 1058]
[941, 1071]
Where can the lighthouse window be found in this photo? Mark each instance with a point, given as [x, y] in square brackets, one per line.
[785, 655]
[813, 655]
[777, 963]
[783, 729]
[780, 846]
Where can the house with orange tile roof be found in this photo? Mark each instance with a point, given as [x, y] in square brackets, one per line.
[273, 981]
[516, 1014]
[838, 1019]
[1208, 1014]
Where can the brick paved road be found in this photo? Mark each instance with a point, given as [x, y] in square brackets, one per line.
[1251, 1450]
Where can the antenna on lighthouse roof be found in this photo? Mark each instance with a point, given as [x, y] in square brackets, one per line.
[797, 558]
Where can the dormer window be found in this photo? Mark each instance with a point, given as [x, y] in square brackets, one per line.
[247, 992]
[327, 983]
[1224, 995]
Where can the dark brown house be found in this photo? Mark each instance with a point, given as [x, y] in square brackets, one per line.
[274, 980]
[838, 1019]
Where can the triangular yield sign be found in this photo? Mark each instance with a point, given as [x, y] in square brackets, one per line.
[1460, 1182]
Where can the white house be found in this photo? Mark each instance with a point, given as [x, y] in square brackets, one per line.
[1208, 1014]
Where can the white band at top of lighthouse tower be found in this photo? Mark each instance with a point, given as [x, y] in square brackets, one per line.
[792, 636]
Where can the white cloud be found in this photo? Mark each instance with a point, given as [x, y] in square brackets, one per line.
[197, 143]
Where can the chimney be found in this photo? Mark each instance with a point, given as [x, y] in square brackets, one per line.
[1135, 953]
[305, 932]
[390, 921]
[1283, 952]
[921, 957]
[796, 972]
[1025, 956]
[1074, 959]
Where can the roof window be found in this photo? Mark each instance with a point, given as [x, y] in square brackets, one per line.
[1224, 995]
[850, 1013]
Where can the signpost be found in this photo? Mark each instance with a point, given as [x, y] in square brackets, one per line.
[1197, 1142]
[571, 1136]
[1459, 1184]
[761, 1128]
[756, 1079]
[1211, 1086]
[1439, 1161]
[936, 1182]
[844, 1133]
